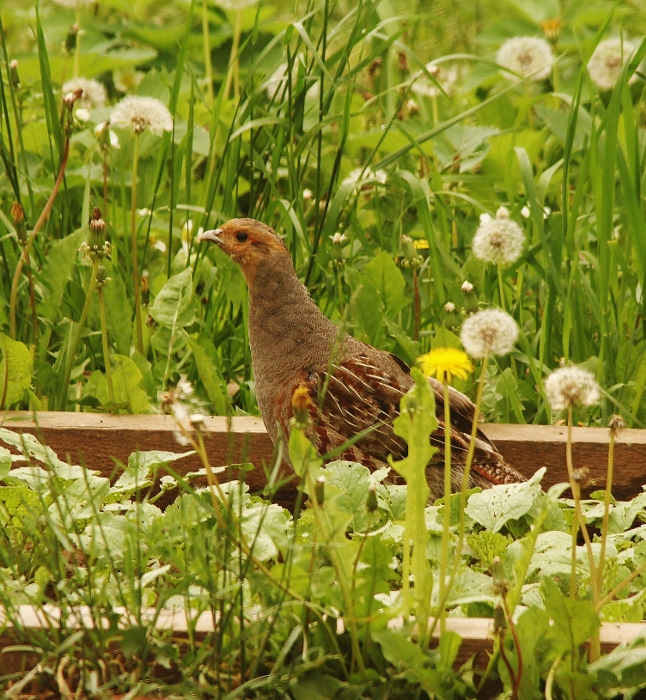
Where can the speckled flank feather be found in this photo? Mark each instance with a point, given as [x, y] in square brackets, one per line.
[352, 386]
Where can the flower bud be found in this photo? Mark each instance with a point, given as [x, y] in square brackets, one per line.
[145, 290]
[301, 404]
[18, 216]
[13, 74]
[319, 490]
[70, 40]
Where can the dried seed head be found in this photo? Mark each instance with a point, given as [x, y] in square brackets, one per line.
[490, 331]
[17, 213]
[93, 94]
[571, 386]
[525, 57]
[616, 424]
[581, 476]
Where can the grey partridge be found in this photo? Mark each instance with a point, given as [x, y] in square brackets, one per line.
[351, 385]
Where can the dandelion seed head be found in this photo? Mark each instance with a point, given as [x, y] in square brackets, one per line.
[93, 95]
[607, 60]
[490, 331]
[363, 175]
[498, 240]
[526, 56]
[235, 4]
[73, 4]
[571, 386]
[446, 76]
[141, 113]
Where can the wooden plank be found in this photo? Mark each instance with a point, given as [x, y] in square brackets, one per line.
[476, 633]
[99, 441]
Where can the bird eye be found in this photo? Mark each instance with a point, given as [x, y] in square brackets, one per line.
[241, 236]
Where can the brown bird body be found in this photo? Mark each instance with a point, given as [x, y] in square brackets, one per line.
[351, 386]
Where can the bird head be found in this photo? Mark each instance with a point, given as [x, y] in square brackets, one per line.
[249, 243]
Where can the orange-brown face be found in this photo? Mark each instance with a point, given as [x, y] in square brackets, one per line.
[247, 242]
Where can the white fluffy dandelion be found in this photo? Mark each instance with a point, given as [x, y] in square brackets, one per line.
[607, 60]
[364, 176]
[498, 240]
[73, 4]
[526, 56]
[571, 386]
[141, 113]
[93, 95]
[490, 331]
[235, 4]
[446, 76]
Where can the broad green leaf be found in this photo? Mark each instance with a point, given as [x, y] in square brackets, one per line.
[137, 474]
[573, 621]
[127, 379]
[210, 375]
[174, 306]
[16, 367]
[494, 507]
[118, 311]
[59, 263]
[386, 279]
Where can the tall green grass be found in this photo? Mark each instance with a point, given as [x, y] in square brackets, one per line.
[341, 106]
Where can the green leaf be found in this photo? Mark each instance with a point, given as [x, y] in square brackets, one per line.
[210, 375]
[494, 507]
[385, 278]
[59, 264]
[118, 311]
[573, 621]
[173, 306]
[127, 380]
[16, 368]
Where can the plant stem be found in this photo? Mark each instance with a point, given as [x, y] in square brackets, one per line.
[501, 288]
[446, 525]
[418, 305]
[233, 73]
[206, 38]
[595, 647]
[133, 242]
[24, 257]
[77, 49]
[606, 509]
[71, 350]
[106, 346]
[464, 486]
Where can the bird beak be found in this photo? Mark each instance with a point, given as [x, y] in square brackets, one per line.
[213, 236]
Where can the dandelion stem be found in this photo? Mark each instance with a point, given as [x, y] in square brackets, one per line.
[606, 509]
[595, 645]
[106, 345]
[133, 241]
[72, 347]
[208, 68]
[32, 237]
[77, 48]
[233, 72]
[446, 525]
[501, 288]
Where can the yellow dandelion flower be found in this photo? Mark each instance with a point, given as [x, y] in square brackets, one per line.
[446, 363]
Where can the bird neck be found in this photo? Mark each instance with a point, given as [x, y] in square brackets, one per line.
[287, 331]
